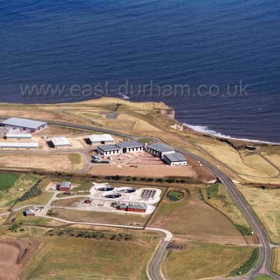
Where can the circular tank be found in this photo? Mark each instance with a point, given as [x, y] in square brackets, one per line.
[112, 195]
[126, 190]
[105, 189]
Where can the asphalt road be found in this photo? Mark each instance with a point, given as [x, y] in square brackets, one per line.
[263, 266]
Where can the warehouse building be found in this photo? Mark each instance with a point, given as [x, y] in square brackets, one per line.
[159, 149]
[175, 159]
[130, 147]
[64, 187]
[100, 139]
[27, 125]
[132, 207]
[120, 148]
[18, 136]
[167, 154]
[14, 145]
[57, 142]
[107, 150]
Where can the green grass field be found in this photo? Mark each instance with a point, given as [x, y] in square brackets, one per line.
[89, 259]
[41, 199]
[217, 196]
[75, 159]
[13, 186]
[263, 277]
[204, 260]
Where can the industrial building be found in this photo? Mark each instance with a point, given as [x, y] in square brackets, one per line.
[57, 142]
[167, 154]
[130, 147]
[18, 136]
[100, 139]
[175, 159]
[64, 187]
[107, 150]
[159, 149]
[120, 148]
[132, 207]
[27, 125]
[29, 213]
[14, 145]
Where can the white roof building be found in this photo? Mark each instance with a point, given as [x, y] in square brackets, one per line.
[101, 138]
[18, 136]
[15, 145]
[60, 142]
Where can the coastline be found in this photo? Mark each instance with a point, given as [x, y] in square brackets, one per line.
[206, 131]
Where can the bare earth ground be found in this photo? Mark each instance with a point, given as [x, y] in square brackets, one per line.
[14, 254]
[52, 162]
[144, 171]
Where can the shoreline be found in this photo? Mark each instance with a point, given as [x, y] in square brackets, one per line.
[205, 130]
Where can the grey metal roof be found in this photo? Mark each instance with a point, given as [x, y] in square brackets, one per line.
[108, 148]
[23, 123]
[161, 148]
[65, 185]
[129, 144]
[137, 206]
[175, 157]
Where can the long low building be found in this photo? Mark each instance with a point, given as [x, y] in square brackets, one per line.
[175, 159]
[167, 154]
[59, 142]
[24, 124]
[107, 150]
[18, 136]
[120, 148]
[100, 139]
[14, 145]
[159, 149]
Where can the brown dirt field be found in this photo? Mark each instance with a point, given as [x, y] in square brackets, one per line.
[51, 162]
[144, 171]
[14, 254]
[101, 217]
[192, 219]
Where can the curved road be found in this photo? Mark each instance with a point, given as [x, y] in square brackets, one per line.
[263, 266]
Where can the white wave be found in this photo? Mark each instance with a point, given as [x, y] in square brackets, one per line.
[206, 130]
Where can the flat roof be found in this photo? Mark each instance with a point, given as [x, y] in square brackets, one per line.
[129, 144]
[19, 135]
[108, 148]
[101, 137]
[160, 147]
[175, 157]
[18, 145]
[60, 141]
[24, 123]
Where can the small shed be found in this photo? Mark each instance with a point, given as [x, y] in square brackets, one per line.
[29, 213]
[64, 187]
